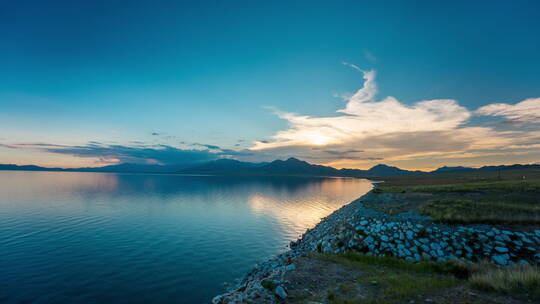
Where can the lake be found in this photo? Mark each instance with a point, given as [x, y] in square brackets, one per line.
[69, 237]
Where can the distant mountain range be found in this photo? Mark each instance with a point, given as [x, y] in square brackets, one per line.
[458, 169]
[120, 168]
[289, 167]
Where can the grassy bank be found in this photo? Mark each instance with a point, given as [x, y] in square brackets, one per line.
[388, 279]
[499, 187]
[391, 280]
[510, 199]
[468, 211]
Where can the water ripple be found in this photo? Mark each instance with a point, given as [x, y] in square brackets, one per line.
[91, 238]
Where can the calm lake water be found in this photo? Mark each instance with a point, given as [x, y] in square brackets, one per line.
[143, 238]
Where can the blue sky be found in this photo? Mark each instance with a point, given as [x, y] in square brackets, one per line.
[111, 74]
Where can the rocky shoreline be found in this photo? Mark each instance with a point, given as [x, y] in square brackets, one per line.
[410, 236]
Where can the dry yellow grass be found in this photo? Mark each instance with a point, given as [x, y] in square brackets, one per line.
[510, 280]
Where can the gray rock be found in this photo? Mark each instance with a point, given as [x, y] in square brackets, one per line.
[526, 240]
[280, 291]
[410, 235]
[502, 238]
[501, 249]
[424, 240]
[501, 259]
[216, 300]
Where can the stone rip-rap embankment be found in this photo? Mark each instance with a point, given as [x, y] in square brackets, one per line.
[412, 237]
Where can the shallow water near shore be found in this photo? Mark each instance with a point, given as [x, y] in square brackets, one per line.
[69, 237]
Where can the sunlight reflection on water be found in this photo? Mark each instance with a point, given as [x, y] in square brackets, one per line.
[135, 238]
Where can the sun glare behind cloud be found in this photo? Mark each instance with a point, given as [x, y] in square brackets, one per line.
[391, 131]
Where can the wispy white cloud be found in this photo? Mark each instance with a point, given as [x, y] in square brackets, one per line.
[526, 111]
[391, 130]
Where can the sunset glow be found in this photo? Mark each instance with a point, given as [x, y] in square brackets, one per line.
[350, 92]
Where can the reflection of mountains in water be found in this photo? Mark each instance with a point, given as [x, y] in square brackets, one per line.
[91, 184]
[202, 184]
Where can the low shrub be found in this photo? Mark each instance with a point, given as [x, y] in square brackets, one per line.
[268, 285]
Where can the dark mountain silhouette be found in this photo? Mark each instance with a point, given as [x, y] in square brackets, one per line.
[460, 169]
[384, 170]
[457, 169]
[26, 168]
[223, 167]
[120, 168]
[510, 167]
[126, 167]
[291, 167]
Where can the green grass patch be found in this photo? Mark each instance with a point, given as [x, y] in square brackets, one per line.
[481, 211]
[362, 261]
[404, 285]
[394, 280]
